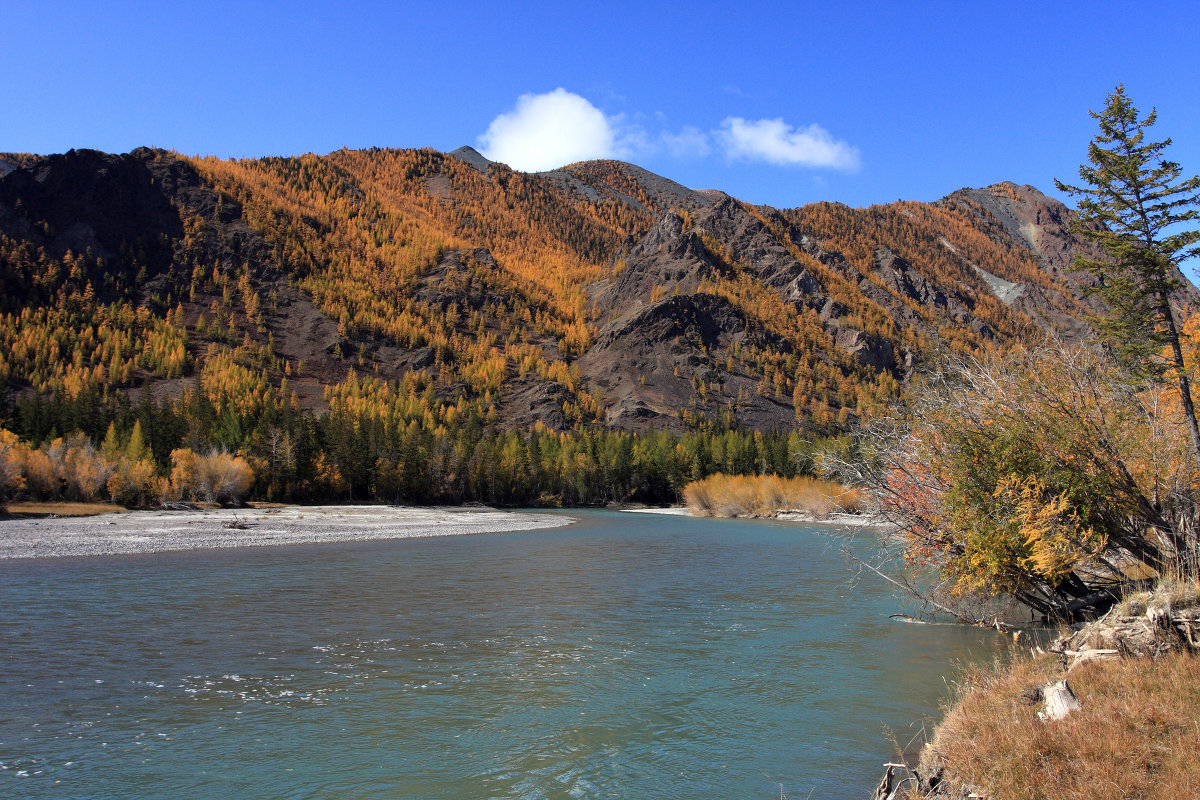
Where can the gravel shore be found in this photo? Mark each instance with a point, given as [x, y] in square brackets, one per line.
[157, 531]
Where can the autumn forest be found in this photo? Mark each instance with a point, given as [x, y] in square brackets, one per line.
[413, 326]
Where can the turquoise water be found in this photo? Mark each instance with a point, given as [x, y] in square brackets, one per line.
[626, 656]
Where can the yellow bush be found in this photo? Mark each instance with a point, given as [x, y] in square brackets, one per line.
[764, 495]
[132, 483]
[216, 478]
[12, 458]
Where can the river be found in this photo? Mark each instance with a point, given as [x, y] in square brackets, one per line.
[626, 656]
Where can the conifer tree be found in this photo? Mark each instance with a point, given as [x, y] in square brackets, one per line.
[1137, 207]
[137, 449]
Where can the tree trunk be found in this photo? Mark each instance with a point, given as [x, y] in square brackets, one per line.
[1184, 542]
[1060, 700]
[1185, 385]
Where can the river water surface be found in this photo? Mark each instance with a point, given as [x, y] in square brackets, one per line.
[626, 656]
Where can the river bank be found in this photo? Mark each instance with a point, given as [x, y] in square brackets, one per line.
[1109, 710]
[159, 531]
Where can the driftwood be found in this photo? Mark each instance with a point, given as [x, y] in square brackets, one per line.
[1060, 700]
[889, 786]
[1146, 625]
[1083, 656]
[995, 623]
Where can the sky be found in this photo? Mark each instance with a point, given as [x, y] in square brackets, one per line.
[782, 103]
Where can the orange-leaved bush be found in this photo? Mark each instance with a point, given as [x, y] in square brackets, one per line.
[1044, 472]
[215, 478]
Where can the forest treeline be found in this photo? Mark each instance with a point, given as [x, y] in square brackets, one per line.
[379, 441]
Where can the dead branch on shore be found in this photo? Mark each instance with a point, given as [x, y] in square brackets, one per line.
[928, 599]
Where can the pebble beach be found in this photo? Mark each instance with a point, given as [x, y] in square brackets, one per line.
[160, 531]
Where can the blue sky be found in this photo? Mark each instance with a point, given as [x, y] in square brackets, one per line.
[774, 103]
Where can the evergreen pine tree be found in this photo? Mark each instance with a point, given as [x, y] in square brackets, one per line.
[111, 447]
[1137, 208]
[137, 449]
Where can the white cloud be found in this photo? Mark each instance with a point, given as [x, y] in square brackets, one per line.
[629, 138]
[549, 130]
[774, 141]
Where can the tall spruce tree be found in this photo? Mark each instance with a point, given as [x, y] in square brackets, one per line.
[1137, 207]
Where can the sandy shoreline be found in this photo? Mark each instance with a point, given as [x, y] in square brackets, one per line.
[836, 519]
[160, 531]
[804, 517]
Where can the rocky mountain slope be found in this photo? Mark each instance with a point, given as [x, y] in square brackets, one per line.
[598, 293]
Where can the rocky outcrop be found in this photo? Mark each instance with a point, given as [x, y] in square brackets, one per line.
[649, 365]
[900, 277]
[870, 351]
[128, 212]
[450, 282]
[528, 400]
[670, 258]
[82, 201]
[1043, 224]
[473, 157]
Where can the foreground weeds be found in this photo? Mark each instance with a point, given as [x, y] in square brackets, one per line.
[1136, 735]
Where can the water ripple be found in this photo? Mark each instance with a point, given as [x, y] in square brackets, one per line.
[624, 657]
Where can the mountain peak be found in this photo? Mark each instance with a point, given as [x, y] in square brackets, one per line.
[471, 156]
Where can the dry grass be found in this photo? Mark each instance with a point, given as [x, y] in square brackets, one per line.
[764, 495]
[1136, 736]
[47, 509]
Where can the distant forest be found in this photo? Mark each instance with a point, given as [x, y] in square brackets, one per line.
[393, 442]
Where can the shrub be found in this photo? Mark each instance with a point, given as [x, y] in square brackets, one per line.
[226, 478]
[84, 470]
[12, 460]
[1044, 472]
[133, 483]
[763, 495]
[216, 478]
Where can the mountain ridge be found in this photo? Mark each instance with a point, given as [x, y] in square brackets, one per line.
[594, 294]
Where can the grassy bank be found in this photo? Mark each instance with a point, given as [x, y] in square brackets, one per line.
[766, 495]
[59, 509]
[1135, 736]
[1136, 674]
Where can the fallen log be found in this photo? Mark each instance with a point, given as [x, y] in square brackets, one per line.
[1083, 656]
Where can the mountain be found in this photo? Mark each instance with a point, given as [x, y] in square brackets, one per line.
[598, 294]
